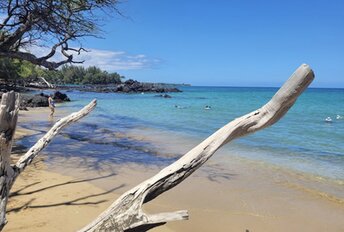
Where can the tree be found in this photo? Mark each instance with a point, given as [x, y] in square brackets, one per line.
[27, 70]
[14, 70]
[52, 24]
[72, 74]
[8, 70]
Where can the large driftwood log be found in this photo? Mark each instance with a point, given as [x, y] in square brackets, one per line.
[126, 213]
[9, 108]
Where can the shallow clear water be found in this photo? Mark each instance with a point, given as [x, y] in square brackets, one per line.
[301, 141]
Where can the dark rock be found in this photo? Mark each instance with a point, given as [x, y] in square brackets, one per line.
[130, 82]
[129, 86]
[23, 108]
[60, 97]
[119, 88]
[8, 87]
[173, 90]
[126, 89]
[38, 100]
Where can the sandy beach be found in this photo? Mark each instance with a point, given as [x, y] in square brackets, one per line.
[128, 115]
[224, 195]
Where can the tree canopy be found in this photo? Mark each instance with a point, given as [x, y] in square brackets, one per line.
[72, 74]
[18, 71]
[8, 70]
[53, 24]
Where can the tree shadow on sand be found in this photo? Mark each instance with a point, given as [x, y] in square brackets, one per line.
[19, 191]
[74, 202]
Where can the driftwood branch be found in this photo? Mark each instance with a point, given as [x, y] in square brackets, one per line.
[9, 108]
[51, 86]
[126, 213]
[26, 159]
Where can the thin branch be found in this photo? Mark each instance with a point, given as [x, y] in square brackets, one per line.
[53, 49]
[26, 159]
[51, 65]
[56, 22]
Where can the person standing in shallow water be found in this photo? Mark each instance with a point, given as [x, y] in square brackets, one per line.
[51, 105]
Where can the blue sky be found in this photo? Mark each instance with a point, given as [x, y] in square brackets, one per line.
[231, 43]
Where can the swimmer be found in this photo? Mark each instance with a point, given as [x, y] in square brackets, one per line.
[180, 107]
[328, 119]
[207, 107]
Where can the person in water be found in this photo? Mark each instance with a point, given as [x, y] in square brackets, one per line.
[51, 105]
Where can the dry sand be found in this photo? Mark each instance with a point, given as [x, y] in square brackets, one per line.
[46, 201]
[225, 195]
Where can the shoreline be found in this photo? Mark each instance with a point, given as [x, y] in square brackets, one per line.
[175, 143]
[225, 194]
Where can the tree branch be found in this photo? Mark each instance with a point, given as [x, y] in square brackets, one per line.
[53, 49]
[26, 159]
[55, 22]
[51, 65]
[126, 213]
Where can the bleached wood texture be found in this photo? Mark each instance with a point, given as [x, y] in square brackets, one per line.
[126, 213]
[45, 140]
[9, 109]
[8, 120]
[51, 86]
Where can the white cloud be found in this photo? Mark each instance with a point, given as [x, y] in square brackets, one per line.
[105, 59]
[116, 60]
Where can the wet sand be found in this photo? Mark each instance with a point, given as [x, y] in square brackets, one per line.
[226, 194]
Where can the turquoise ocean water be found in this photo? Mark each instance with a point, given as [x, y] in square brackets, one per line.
[301, 141]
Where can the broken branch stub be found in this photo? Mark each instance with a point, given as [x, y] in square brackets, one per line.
[126, 213]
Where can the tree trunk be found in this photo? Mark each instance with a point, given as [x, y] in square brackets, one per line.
[126, 213]
[8, 121]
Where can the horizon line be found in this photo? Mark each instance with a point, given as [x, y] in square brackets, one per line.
[237, 86]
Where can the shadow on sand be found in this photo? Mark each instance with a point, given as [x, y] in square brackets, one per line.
[74, 202]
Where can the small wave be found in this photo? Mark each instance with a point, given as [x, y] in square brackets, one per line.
[316, 193]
